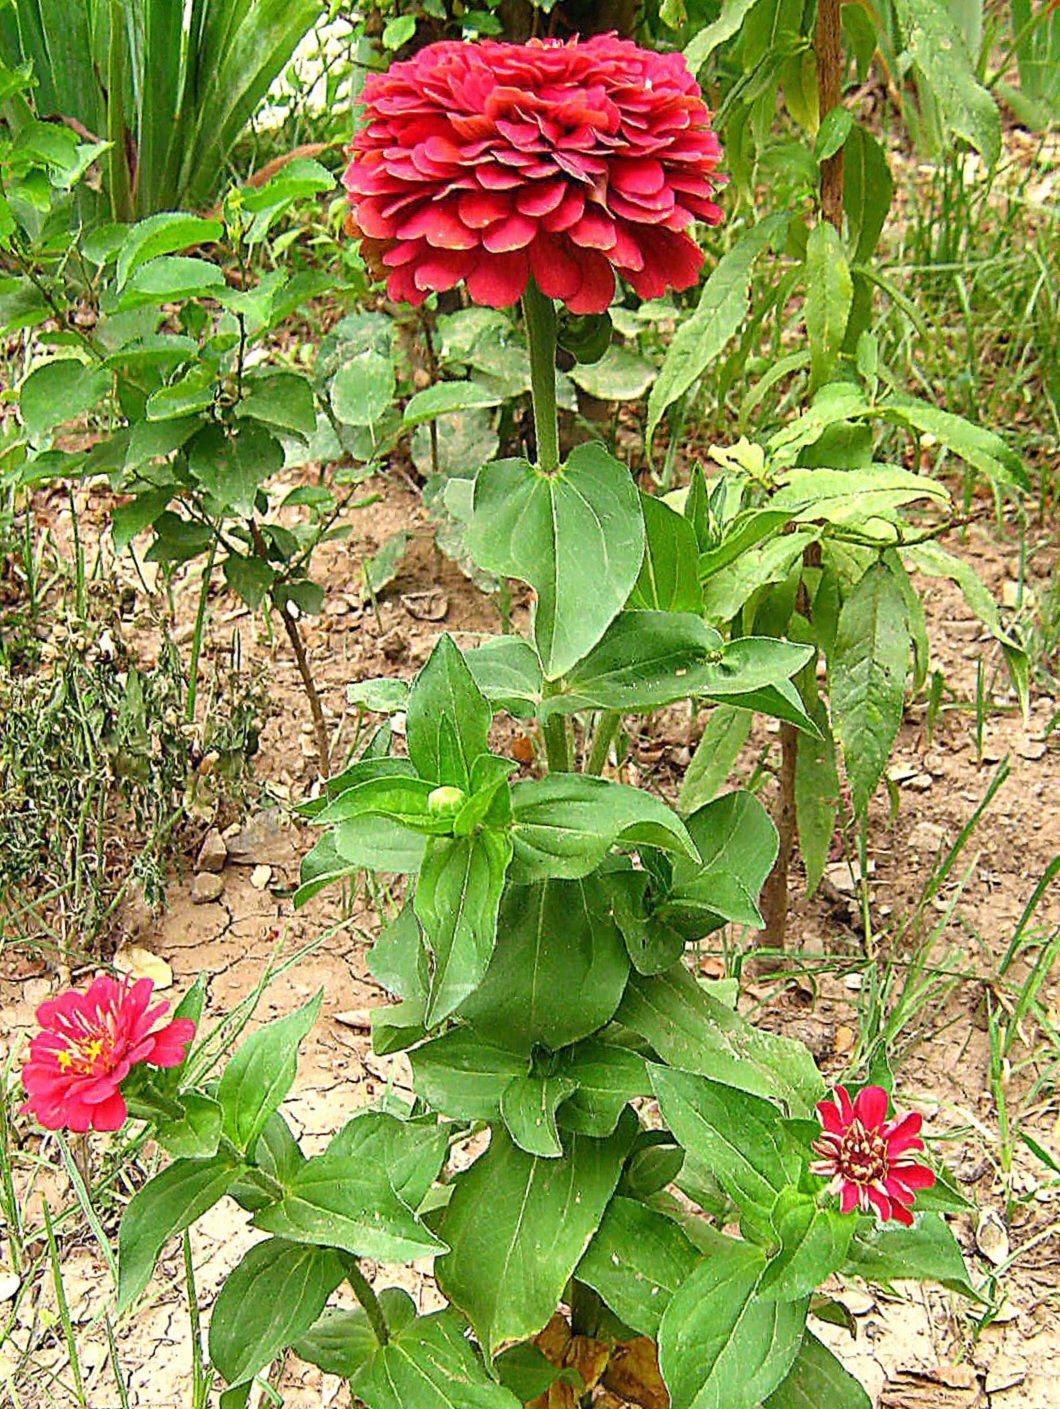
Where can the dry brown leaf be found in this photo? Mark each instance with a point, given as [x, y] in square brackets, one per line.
[554, 1339]
[589, 1357]
[633, 1373]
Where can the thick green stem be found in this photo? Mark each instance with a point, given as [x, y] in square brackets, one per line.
[557, 744]
[362, 1290]
[606, 729]
[540, 314]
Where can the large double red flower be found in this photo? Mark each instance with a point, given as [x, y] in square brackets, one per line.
[487, 163]
[870, 1161]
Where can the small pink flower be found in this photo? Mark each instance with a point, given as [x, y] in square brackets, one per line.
[869, 1160]
[87, 1045]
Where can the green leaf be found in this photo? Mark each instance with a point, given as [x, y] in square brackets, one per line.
[411, 1151]
[154, 440]
[59, 392]
[927, 1251]
[170, 279]
[396, 960]
[577, 538]
[607, 1077]
[524, 1370]
[197, 1134]
[716, 753]
[646, 659]
[463, 1076]
[703, 44]
[721, 312]
[829, 294]
[192, 392]
[508, 672]
[565, 824]
[817, 1379]
[619, 375]
[345, 1198]
[689, 1028]
[730, 586]
[341, 1340]
[233, 467]
[853, 496]
[363, 389]
[816, 795]
[127, 520]
[813, 1244]
[167, 1204]
[938, 50]
[448, 718]
[429, 1364]
[445, 398]
[558, 971]
[983, 449]
[459, 890]
[528, 1109]
[518, 1225]
[669, 575]
[259, 1075]
[738, 844]
[250, 578]
[395, 794]
[867, 190]
[720, 1345]
[653, 945]
[868, 670]
[268, 1301]
[378, 844]
[281, 399]
[637, 1261]
[736, 1135]
[162, 234]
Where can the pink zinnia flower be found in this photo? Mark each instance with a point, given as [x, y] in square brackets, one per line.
[870, 1161]
[486, 163]
[87, 1045]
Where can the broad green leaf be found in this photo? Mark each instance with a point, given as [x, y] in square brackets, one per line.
[341, 1340]
[448, 718]
[689, 1028]
[927, 1251]
[750, 670]
[868, 670]
[191, 393]
[250, 578]
[397, 959]
[508, 672]
[577, 538]
[645, 660]
[558, 971]
[163, 234]
[936, 47]
[720, 313]
[738, 844]
[816, 795]
[363, 389]
[446, 397]
[429, 1364]
[565, 824]
[703, 44]
[637, 1261]
[669, 575]
[260, 1073]
[607, 1077]
[277, 1154]
[153, 440]
[867, 190]
[652, 944]
[716, 753]
[377, 844]
[852, 496]
[268, 1301]
[829, 293]
[170, 279]
[385, 694]
[345, 1199]
[167, 1204]
[524, 1370]
[59, 392]
[234, 467]
[459, 890]
[730, 586]
[517, 1227]
[720, 1345]
[813, 1244]
[411, 1151]
[815, 1380]
[281, 399]
[620, 375]
[462, 1076]
[197, 1134]
[737, 1136]
[528, 1109]
[396, 795]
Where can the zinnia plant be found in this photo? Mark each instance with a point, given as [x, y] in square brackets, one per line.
[88, 1044]
[539, 956]
[870, 1161]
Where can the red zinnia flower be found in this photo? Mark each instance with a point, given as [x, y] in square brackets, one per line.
[87, 1045]
[490, 162]
[870, 1160]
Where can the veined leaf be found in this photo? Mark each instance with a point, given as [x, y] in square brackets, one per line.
[938, 50]
[429, 1364]
[815, 1379]
[829, 294]
[637, 1261]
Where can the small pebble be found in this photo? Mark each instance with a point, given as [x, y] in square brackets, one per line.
[206, 887]
[260, 877]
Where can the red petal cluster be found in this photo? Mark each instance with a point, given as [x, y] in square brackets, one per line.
[870, 1161]
[87, 1045]
[485, 163]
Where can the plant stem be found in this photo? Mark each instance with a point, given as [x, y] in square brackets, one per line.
[605, 731]
[363, 1291]
[828, 46]
[540, 314]
[200, 623]
[557, 744]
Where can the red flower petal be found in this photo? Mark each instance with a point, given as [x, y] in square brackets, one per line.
[499, 282]
[514, 233]
[870, 1106]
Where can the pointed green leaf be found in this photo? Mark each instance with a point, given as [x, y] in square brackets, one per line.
[448, 718]
[817, 1379]
[829, 294]
[429, 1364]
[637, 1261]
[669, 575]
[259, 1075]
[462, 1076]
[813, 1244]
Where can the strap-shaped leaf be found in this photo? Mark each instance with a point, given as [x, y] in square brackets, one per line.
[259, 1075]
[577, 537]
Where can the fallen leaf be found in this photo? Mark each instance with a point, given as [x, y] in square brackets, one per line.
[589, 1357]
[138, 962]
[633, 1373]
[991, 1237]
